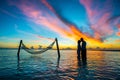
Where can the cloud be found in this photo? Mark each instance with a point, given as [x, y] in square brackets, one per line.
[118, 33]
[55, 23]
[118, 40]
[43, 18]
[98, 17]
[118, 25]
[9, 38]
[75, 32]
[8, 13]
[31, 34]
[41, 37]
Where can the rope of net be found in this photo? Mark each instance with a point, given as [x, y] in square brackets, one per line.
[32, 51]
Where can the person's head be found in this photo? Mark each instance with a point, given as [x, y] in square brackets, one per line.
[81, 39]
[78, 41]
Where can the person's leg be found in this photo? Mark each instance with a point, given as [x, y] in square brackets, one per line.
[85, 56]
[83, 53]
[78, 54]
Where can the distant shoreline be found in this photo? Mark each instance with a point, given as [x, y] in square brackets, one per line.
[66, 49]
[104, 50]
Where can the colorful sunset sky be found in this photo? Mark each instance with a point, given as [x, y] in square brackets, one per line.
[38, 22]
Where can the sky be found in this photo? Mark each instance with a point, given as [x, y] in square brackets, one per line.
[39, 22]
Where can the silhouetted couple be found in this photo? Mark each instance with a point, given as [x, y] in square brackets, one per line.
[81, 50]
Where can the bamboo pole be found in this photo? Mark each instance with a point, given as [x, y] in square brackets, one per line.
[18, 53]
[57, 45]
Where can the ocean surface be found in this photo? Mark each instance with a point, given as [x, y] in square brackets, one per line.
[100, 65]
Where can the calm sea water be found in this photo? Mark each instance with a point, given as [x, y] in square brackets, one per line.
[101, 65]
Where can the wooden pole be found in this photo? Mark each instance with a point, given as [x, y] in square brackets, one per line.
[57, 47]
[18, 53]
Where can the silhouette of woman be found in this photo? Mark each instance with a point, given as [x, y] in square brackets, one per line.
[78, 49]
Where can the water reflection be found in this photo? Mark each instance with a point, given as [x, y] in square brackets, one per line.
[18, 65]
[82, 70]
[99, 65]
[58, 62]
[37, 61]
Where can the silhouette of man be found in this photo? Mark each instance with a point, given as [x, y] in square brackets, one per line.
[83, 49]
[78, 49]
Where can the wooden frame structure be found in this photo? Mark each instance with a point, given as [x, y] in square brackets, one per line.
[57, 45]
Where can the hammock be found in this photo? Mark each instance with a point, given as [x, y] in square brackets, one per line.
[32, 51]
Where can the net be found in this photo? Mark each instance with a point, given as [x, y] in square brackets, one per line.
[33, 51]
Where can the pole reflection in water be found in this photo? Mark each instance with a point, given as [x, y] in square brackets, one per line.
[58, 62]
[35, 60]
[18, 63]
[19, 69]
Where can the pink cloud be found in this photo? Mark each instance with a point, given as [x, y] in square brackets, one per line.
[74, 32]
[118, 25]
[48, 5]
[98, 17]
[44, 37]
[53, 23]
[41, 17]
[118, 33]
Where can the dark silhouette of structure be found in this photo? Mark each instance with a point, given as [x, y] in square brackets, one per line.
[78, 49]
[18, 53]
[83, 50]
